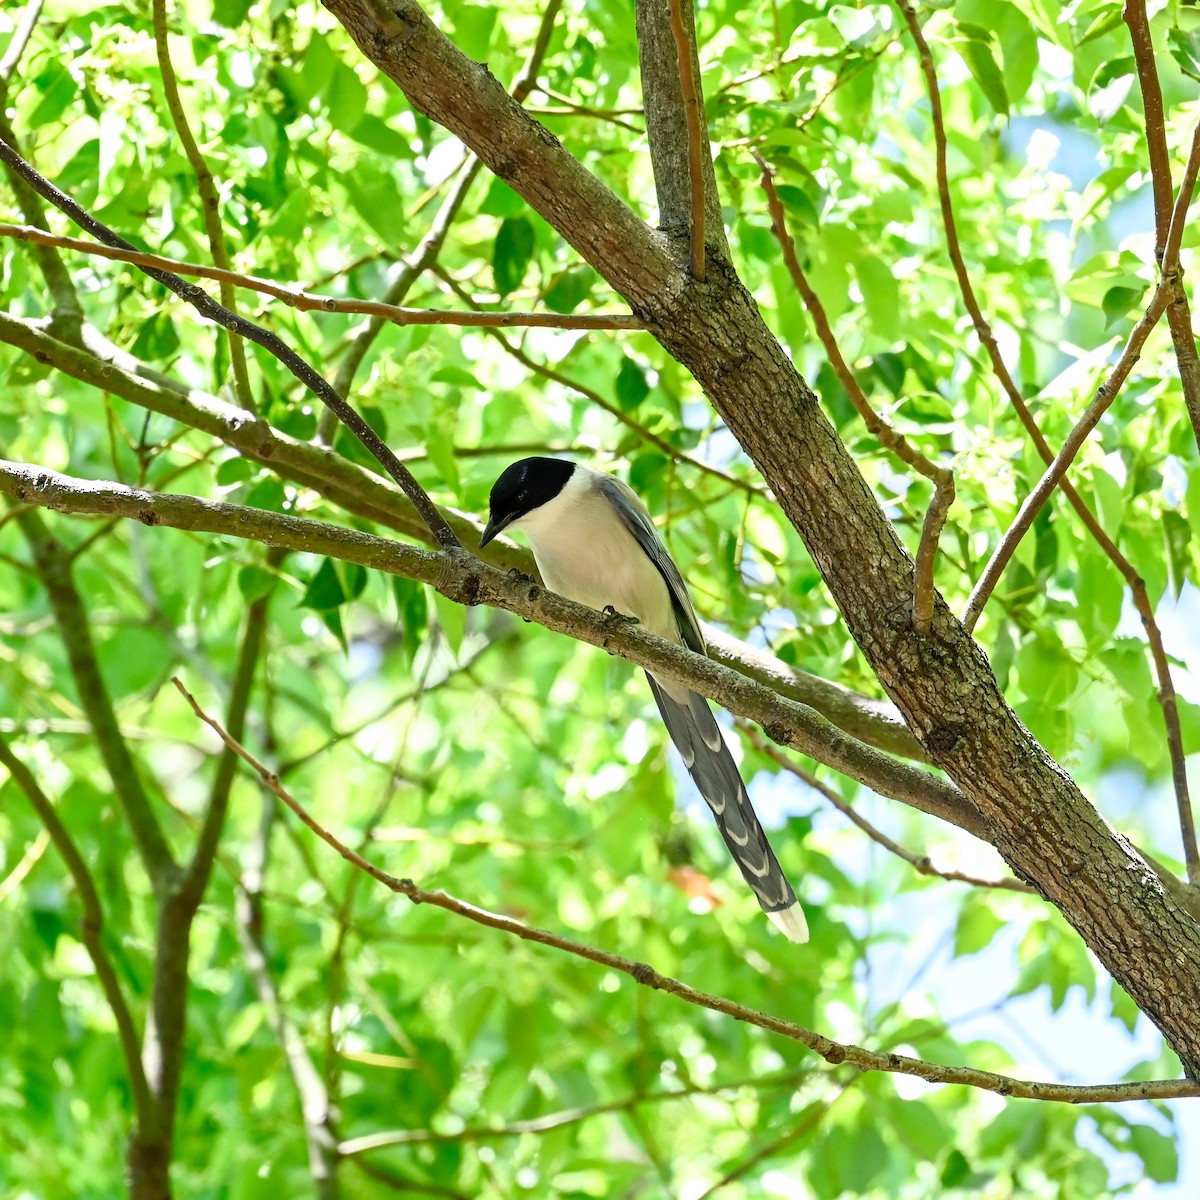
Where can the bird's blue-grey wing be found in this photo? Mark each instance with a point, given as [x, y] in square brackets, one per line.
[636, 519]
[697, 737]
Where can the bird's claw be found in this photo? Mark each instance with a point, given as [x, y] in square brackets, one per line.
[612, 616]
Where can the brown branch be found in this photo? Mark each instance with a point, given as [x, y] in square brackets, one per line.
[1105, 395]
[833, 1052]
[210, 203]
[920, 862]
[1179, 316]
[91, 928]
[270, 342]
[941, 477]
[463, 578]
[1160, 175]
[304, 301]
[695, 133]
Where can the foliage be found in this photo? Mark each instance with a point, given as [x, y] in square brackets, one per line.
[516, 769]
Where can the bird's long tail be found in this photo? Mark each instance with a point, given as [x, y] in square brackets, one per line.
[698, 738]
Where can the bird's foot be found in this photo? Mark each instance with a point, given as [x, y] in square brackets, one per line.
[612, 617]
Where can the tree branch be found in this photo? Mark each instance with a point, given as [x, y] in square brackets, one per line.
[1105, 395]
[210, 203]
[304, 301]
[833, 1052]
[684, 39]
[1179, 314]
[466, 580]
[684, 179]
[206, 306]
[941, 477]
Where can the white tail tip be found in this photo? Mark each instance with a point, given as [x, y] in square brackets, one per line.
[791, 923]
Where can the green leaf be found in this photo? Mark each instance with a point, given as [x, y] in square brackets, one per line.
[1119, 303]
[631, 386]
[511, 253]
[978, 54]
[325, 590]
[1158, 1153]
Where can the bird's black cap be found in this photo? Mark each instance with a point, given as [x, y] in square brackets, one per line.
[526, 485]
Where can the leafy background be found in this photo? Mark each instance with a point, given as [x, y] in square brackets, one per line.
[526, 773]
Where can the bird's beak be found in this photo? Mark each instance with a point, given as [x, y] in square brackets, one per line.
[494, 526]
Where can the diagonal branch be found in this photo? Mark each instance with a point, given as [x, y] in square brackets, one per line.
[1179, 315]
[53, 566]
[942, 478]
[1105, 395]
[210, 202]
[466, 580]
[922, 863]
[833, 1052]
[270, 342]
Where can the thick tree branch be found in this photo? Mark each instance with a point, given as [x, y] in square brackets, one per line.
[684, 178]
[833, 1052]
[465, 579]
[206, 306]
[210, 202]
[358, 491]
[684, 37]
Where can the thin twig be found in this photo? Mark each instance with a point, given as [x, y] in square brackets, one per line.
[920, 862]
[426, 253]
[1179, 316]
[210, 203]
[942, 478]
[833, 1052]
[313, 302]
[19, 40]
[25, 864]
[1105, 395]
[1161, 178]
[614, 410]
[695, 134]
[270, 342]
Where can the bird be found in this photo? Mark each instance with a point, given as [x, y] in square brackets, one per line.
[594, 542]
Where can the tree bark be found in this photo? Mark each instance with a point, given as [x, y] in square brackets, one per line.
[942, 683]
